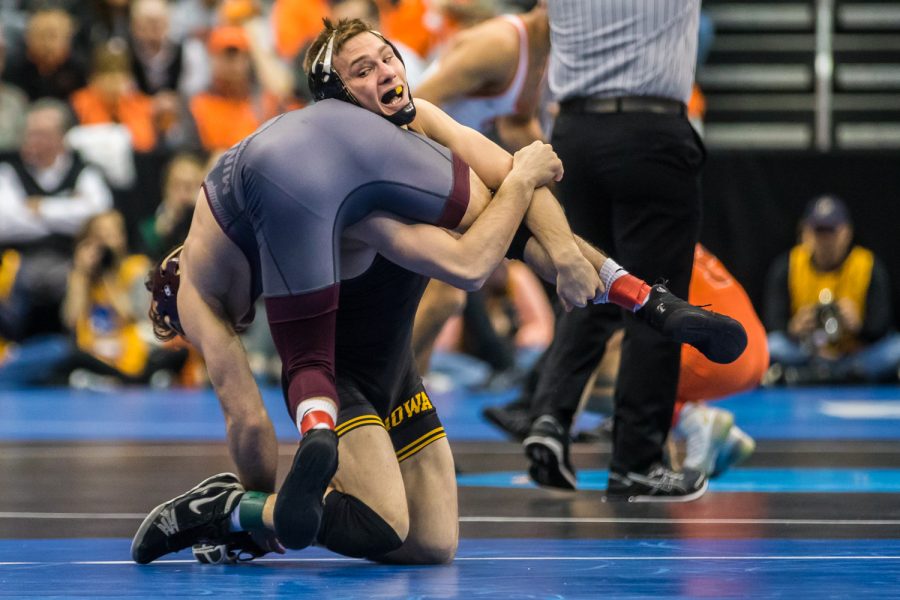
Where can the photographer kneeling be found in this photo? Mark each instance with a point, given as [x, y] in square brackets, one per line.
[828, 306]
[104, 307]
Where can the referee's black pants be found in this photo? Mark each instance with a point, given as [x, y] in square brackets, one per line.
[631, 187]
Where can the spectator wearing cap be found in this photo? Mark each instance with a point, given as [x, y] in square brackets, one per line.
[49, 67]
[232, 108]
[828, 305]
[12, 108]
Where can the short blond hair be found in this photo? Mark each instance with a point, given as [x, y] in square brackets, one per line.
[345, 30]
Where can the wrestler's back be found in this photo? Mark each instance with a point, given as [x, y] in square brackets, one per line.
[313, 172]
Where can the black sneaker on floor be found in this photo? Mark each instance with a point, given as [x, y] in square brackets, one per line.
[547, 447]
[515, 422]
[298, 508]
[721, 339]
[198, 515]
[658, 484]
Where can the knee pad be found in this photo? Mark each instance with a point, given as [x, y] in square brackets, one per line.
[351, 528]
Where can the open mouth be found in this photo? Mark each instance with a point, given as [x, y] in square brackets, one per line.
[393, 97]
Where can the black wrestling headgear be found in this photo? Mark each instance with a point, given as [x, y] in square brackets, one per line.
[324, 81]
[163, 284]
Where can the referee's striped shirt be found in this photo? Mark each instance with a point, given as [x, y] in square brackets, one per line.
[612, 48]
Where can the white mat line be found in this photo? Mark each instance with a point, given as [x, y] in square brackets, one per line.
[515, 520]
[759, 557]
[639, 520]
[72, 516]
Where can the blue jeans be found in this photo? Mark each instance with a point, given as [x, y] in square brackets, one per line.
[34, 361]
[877, 361]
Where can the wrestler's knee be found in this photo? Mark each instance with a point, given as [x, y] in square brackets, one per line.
[439, 553]
[352, 528]
[435, 543]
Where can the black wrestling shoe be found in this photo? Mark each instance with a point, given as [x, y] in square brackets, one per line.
[721, 339]
[514, 421]
[657, 484]
[198, 515]
[298, 508]
[547, 447]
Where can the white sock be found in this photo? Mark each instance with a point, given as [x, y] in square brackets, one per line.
[316, 404]
[236, 519]
[610, 270]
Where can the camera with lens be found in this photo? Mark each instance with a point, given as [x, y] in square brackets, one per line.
[828, 321]
[107, 259]
[829, 327]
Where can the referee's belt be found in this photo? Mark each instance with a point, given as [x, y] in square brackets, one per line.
[624, 104]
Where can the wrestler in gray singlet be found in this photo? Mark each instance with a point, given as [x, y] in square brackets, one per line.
[285, 194]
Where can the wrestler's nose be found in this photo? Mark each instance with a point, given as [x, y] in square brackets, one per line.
[387, 73]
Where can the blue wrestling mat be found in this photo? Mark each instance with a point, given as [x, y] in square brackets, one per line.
[496, 568]
[812, 413]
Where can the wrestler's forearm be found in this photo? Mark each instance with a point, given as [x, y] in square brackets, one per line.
[547, 222]
[537, 257]
[250, 435]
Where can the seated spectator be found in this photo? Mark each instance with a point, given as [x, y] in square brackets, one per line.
[30, 362]
[501, 332]
[47, 193]
[49, 67]
[231, 108]
[162, 67]
[12, 108]
[829, 306]
[169, 226]
[111, 96]
[105, 304]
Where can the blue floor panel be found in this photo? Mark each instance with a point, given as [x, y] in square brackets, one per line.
[806, 480]
[499, 568]
[811, 413]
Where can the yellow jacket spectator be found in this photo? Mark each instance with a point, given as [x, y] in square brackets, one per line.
[101, 308]
[829, 306]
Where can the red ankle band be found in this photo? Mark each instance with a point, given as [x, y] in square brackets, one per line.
[629, 292]
[316, 419]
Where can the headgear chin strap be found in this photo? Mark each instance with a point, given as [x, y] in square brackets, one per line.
[163, 285]
[324, 81]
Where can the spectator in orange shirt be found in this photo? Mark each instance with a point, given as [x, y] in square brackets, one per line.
[231, 109]
[111, 96]
[296, 23]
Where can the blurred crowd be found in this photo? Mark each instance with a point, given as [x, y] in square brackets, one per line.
[111, 112]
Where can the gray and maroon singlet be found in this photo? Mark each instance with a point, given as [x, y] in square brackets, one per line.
[285, 194]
